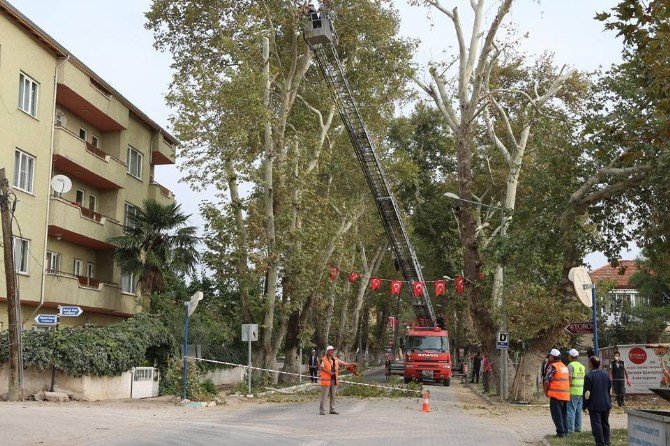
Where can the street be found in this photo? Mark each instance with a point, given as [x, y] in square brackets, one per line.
[458, 417]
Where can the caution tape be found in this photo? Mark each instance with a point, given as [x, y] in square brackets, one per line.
[307, 376]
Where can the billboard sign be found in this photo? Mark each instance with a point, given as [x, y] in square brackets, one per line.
[647, 365]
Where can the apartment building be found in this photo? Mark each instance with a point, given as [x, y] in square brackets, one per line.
[624, 294]
[57, 117]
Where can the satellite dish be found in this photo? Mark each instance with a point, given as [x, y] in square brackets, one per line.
[579, 276]
[61, 184]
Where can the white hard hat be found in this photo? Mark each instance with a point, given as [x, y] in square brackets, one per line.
[573, 353]
[555, 352]
[330, 347]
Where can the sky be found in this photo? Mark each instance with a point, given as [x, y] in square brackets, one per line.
[110, 38]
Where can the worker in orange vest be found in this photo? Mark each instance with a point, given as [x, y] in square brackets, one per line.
[330, 367]
[557, 388]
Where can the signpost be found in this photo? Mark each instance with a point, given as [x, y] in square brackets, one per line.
[69, 311]
[502, 341]
[580, 327]
[249, 334]
[190, 309]
[46, 320]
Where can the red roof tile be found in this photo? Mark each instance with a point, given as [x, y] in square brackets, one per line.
[620, 275]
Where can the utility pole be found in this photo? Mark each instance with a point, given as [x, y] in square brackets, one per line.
[10, 279]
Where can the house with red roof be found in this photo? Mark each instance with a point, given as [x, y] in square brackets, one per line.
[624, 294]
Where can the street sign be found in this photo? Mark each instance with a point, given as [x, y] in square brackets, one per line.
[46, 319]
[502, 342]
[580, 327]
[249, 329]
[70, 311]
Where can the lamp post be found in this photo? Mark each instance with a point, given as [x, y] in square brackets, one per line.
[503, 313]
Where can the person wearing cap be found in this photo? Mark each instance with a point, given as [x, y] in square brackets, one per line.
[577, 372]
[330, 366]
[557, 388]
[598, 401]
[313, 363]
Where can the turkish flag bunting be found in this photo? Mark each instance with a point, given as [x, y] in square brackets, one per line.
[459, 284]
[375, 284]
[417, 289]
[396, 286]
[334, 272]
[440, 287]
[353, 277]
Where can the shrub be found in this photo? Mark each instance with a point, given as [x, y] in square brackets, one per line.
[197, 387]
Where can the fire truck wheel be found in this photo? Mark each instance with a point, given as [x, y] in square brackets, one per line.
[447, 382]
[408, 380]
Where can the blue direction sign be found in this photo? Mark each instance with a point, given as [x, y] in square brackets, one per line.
[70, 311]
[46, 319]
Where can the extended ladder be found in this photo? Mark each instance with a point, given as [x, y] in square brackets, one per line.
[322, 39]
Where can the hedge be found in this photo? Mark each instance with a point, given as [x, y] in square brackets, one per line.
[101, 351]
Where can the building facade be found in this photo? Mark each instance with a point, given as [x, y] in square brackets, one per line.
[624, 294]
[59, 119]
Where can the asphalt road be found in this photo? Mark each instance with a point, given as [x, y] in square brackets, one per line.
[458, 417]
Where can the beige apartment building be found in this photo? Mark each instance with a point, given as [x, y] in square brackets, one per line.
[57, 117]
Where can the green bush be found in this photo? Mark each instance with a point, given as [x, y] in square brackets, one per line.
[197, 387]
[100, 351]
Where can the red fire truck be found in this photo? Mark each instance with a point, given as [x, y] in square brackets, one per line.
[427, 356]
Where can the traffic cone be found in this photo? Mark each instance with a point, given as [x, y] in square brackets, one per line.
[426, 404]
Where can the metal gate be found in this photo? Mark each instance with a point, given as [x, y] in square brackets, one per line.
[145, 382]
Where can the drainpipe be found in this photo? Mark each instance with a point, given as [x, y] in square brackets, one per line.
[51, 160]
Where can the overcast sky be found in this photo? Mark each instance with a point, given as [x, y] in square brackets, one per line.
[109, 37]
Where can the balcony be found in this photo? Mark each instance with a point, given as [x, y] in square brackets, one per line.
[89, 100]
[87, 163]
[160, 193]
[163, 151]
[69, 222]
[91, 295]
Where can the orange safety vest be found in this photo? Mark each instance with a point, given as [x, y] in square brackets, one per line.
[326, 368]
[559, 386]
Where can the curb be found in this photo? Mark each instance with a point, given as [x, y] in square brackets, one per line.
[482, 395]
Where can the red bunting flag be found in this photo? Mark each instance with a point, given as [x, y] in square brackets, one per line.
[396, 286]
[334, 272]
[353, 277]
[375, 284]
[417, 289]
[459, 284]
[440, 287]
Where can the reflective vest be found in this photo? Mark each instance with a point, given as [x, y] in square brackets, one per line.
[577, 378]
[559, 386]
[326, 369]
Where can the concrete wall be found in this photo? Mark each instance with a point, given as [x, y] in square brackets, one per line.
[85, 388]
[226, 376]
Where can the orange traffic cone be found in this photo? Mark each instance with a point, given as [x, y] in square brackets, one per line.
[426, 404]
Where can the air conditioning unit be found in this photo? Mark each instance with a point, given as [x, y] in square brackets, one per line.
[61, 120]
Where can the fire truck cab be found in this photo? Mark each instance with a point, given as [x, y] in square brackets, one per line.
[427, 356]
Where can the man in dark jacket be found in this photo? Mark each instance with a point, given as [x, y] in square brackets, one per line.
[598, 400]
[476, 367]
[313, 365]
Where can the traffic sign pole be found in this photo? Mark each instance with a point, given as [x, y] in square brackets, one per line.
[595, 319]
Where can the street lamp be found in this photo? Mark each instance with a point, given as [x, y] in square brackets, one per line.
[503, 357]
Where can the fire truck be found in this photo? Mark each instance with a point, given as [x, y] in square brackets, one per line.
[427, 355]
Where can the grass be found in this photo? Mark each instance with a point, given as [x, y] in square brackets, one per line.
[618, 437]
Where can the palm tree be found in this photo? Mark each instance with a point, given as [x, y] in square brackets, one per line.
[155, 243]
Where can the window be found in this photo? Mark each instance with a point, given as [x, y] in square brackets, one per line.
[90, 270]
[24, 166]
[53, 262]
[92, 202]
[83, 134]
[131, 212]
[134, 163]
[77, 267]
[95, 142]
[128, 283]
[21, 250]
[79, 197]
[28, 91]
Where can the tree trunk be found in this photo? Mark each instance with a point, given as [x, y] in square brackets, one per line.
[291, 348]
